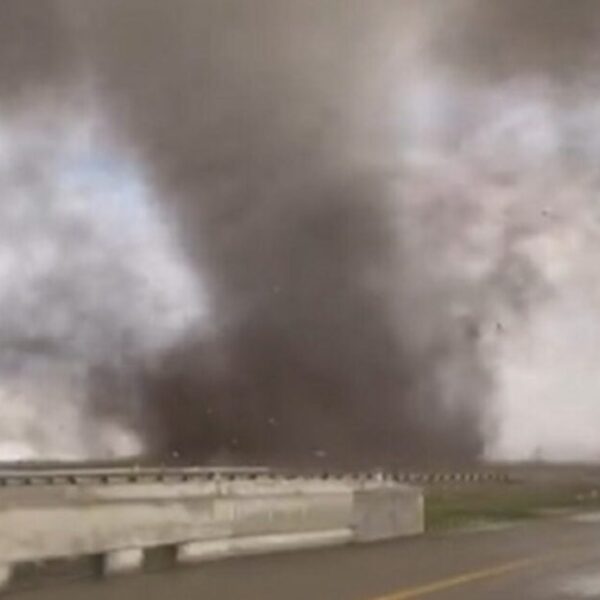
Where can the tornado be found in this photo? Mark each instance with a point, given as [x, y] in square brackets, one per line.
[297, 232]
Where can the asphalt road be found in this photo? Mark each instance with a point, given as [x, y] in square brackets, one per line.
[555, 558]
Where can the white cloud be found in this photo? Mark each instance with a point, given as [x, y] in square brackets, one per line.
[90, 274]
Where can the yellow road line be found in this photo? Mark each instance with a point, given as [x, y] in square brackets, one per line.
[458, 580]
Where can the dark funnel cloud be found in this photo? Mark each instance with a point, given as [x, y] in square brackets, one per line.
[270, 134]
[266, 125]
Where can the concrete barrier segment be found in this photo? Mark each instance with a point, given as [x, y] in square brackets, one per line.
[123, 561]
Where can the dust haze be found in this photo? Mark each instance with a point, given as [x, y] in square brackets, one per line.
[303, 231]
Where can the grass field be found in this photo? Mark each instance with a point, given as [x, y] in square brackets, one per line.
[448, 507]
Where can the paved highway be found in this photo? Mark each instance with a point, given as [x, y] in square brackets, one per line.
[555, 558]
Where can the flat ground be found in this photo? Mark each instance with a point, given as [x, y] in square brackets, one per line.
[454, 506]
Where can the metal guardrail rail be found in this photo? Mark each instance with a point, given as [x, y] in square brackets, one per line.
[123, 475]
[133, 475]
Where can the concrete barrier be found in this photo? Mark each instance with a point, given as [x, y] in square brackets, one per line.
[193, 552]
[383, 512]
[200, 519]
[121, 562]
